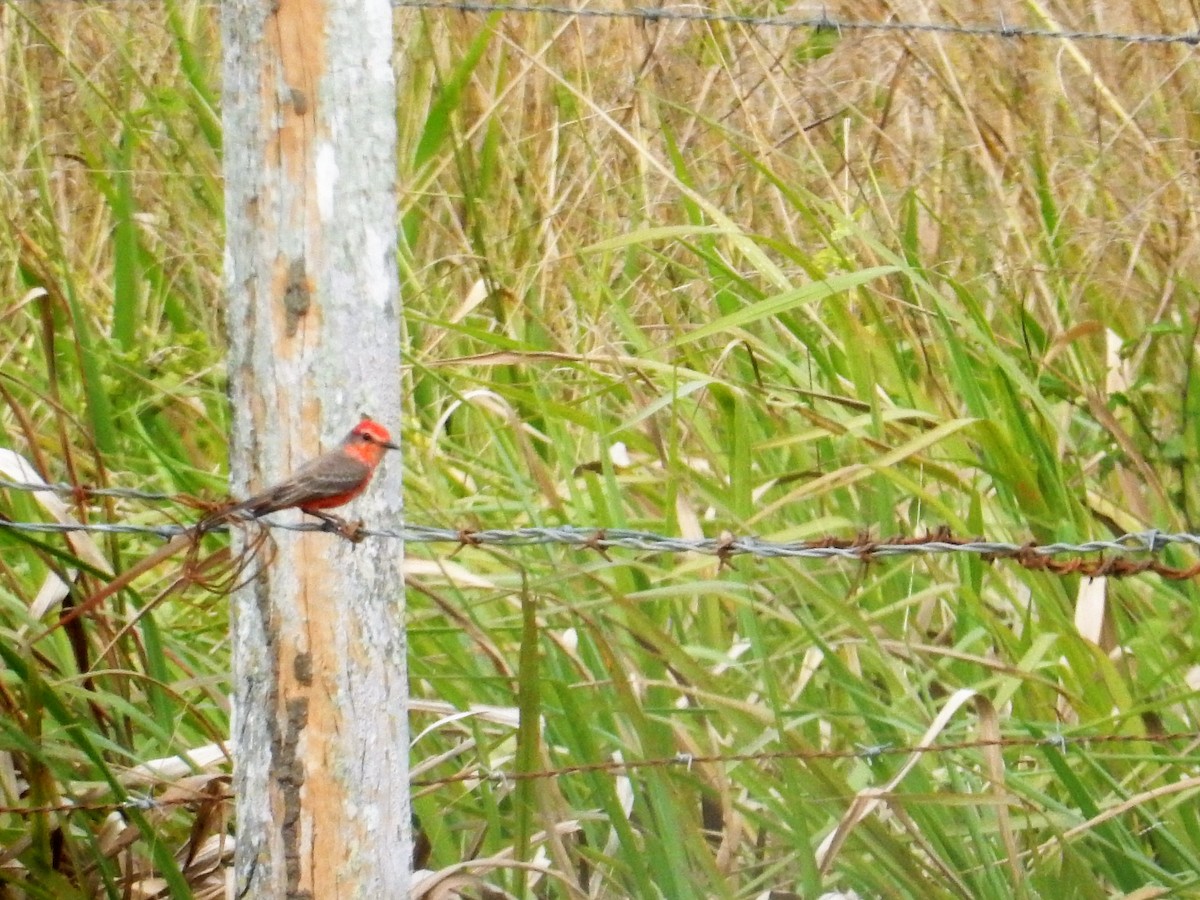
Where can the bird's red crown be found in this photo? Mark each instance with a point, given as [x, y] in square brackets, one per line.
[369, 432]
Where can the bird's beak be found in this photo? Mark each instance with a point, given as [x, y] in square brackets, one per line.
[391, 445]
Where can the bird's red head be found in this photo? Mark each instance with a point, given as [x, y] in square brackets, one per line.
[370, 430]
[368, 441]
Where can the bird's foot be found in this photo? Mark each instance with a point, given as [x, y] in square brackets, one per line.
[351, 531]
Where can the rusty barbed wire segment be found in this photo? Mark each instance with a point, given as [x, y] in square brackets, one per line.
[1088, 557]
[1054, 741]
[823, 21]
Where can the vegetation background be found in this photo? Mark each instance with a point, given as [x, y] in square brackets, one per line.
[689, 277]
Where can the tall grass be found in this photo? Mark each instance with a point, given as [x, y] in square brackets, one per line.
[689, 278]
[111, 375]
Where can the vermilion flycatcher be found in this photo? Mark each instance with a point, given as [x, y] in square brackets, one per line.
[330, 480]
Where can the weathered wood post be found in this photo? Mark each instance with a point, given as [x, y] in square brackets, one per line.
[320, 719]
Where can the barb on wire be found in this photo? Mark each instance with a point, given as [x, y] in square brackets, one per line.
[685, 761]
[820, 22]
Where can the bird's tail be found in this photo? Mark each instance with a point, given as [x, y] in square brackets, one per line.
[220, 516]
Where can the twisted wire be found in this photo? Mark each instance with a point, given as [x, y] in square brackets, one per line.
[824, 21]
[603, 539]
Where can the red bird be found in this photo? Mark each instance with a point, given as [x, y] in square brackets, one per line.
[330, 480]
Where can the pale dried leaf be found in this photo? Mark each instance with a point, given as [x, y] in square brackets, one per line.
[173, 768]
[989, 731]
[1091, 612]
[15, 467]
[450, 572]
[1118, 379]
[476, 295]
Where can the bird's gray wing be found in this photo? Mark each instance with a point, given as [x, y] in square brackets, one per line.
[320, 479]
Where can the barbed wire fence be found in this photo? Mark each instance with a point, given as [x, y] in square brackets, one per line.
[819, 21]
[860, 548]
[1056, 742]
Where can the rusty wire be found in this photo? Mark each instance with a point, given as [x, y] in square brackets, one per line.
[1054, 742]
[1134, 553]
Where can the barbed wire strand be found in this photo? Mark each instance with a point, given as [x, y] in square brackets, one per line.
[84, 491]
[824, 21]
[861, 548]
[591, 538]
[1056, 741]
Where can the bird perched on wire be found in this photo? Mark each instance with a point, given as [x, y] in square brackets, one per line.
[331, 480]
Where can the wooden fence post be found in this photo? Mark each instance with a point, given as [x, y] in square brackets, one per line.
[320, 727]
